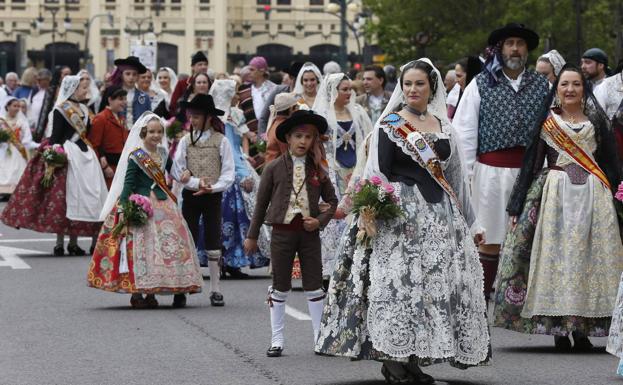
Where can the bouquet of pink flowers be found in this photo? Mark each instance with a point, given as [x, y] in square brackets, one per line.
[372, 199]
[54, 157]
[136, 211]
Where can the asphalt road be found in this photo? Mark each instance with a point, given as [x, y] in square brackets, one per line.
[55, 330]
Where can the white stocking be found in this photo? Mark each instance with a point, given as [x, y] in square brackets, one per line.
[277, 302]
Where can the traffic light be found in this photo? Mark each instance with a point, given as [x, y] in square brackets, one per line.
[267, 10]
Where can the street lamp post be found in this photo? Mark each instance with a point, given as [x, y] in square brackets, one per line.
[88, 30]
[138, 21]
[340, 10]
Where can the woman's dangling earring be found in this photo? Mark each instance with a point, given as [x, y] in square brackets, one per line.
[557, 101]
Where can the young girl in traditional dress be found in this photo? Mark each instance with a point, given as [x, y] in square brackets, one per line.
[158, 257]
[14, 154]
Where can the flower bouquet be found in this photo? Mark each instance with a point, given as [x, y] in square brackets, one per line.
[174, 129]
[372, 199]
[260, 144]
[54, 157]
[136, 211]
[5, 136]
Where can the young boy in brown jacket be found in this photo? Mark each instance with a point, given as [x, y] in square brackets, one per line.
[290, 190]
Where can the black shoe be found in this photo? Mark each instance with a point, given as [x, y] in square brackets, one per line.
[59, 251]
[581, 343]
[179, 300]
[562, 343]
[75, 250]
[390, 378]
[274, 351]
[419, 377]
[151, 301]
[236, 273]
[216, 299]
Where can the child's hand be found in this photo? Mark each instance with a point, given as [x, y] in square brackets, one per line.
[339, 214]
[204, 188]
[247, 185]
[185, 177]
[311, 224]
[250, 246]
[323, 207]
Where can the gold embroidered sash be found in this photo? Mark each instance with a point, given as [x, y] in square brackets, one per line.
[425, 155]
[571, 148]
[153, 170]
[70, 113]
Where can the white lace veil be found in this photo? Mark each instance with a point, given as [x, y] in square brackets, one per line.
[133, 142]
[222, 92]
[94, 93]
[325, 105]
[298, 86]
[172, 79]
[436, 106]
[69, 85]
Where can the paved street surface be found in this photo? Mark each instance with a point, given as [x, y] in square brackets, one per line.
[55, 330]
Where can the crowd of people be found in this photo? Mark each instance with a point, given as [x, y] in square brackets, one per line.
[506, 178]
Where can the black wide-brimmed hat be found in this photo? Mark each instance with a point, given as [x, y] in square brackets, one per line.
[202, 103]
[299, 118]
[515, 30]
[132, 61]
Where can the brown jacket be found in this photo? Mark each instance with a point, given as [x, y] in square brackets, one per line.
[273, 196]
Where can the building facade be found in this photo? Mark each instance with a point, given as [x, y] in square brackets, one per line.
[47, 32]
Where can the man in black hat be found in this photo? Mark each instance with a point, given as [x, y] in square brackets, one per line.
[494, 119]
[595, 65]
[126, 76]
[288, 196]
[205, 158]
[198, 65]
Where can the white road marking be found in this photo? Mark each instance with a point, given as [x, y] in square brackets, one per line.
[8, 257]
[38, 240]
[299, 315]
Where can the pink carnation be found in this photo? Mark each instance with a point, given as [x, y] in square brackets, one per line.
[619, 193]
[375, 180]
[60, 150]
[389, 189]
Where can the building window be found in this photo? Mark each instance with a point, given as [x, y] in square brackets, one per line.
[284, 2]
[263, 2]
[316, 2]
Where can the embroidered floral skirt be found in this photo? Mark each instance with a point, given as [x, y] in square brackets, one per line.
[235, 227]
[161, 255]
[415, 295]
[42, 209]
[513, 277]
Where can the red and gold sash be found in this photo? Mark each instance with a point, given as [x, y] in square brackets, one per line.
[153, 170]
[420, 148]
[69, 111]
[14, 137]
[571, 148]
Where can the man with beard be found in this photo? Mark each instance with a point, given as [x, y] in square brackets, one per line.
[595, 65]
[493, 121]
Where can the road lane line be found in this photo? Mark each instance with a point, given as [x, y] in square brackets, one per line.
[38, 240]
[9, 258]
[299, 315]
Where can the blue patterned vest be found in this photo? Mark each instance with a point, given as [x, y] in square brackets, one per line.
[506, 117]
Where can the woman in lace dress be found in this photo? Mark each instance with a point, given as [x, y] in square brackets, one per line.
[348, 126]
[414, 297]
[562, 258]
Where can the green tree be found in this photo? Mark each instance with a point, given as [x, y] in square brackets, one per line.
[460, 28]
